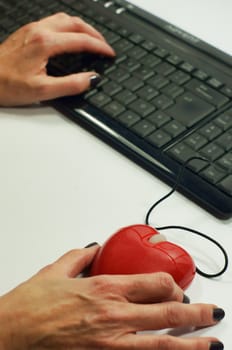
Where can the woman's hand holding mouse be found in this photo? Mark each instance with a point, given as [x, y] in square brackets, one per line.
[56, 310]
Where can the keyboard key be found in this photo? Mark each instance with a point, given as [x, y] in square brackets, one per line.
[113, 109]
[227, 91]
[173, 90]
[162, 102]
[187, 67]
[213, 174]
[196, 141]
[226, 185]
[118, 75]
[120, 59]
[212, 151]
[143, 128]
[122, 45]
[226, 162]
[190, 109]
[207, 93]
[174, 128]
[164, 69]
[159, 118]
[111, 88]
[161, 52]
[181, 152]
[225, 140]
[137, 52]
[136, 38]
[125, 97]
[133, 84]
[148, 45]
[179, 77]
[158, 82]
[147, 92]
[224, 121]
[129, 118]
[144, 73]
[174, 59]
[197, 164]
[100, 99]
[210, 131]
[151, 60]
[131, 65]
[111, 37]
[201, 75]
[159, 138]
[141, 107]
[124, 32]
[215, 83]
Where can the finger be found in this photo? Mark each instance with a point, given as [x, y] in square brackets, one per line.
[167, 342]
[72, 263]
[81, 42]
[62, 22]
[147, 288]
[172, 315]
[74, 84]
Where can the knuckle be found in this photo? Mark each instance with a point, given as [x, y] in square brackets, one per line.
[84, 41]
[62, 16]
[77, 21]
[103, 284]
[30, 27]
[204, 315]
[105, 313]
[40, 38]
[37, 37]
[165, 342]
[166, 283]
[172, 315]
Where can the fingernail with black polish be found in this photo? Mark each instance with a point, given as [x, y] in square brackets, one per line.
[186, 299]
[91, 244]
[216, 346]
[94, 80]
[218, 314]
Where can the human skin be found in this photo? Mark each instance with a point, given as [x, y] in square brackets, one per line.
[55, 310]
[25, 54]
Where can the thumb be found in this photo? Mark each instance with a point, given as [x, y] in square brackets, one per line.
[72, 263]
[73, 84]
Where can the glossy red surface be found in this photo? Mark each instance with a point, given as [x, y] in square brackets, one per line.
[129, 251]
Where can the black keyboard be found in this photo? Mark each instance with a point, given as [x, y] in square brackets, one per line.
[165, 98]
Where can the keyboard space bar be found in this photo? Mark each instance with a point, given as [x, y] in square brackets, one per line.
[190, 109]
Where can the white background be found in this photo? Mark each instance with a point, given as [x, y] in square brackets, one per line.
[61, 188]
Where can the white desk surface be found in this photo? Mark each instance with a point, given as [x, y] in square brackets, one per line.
[61, 188]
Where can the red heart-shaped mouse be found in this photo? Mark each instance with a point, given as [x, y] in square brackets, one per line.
[141, 249]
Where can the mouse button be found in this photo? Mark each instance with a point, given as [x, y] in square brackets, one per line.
[185, 262]
[145, 230]
[157, 238]
[127, 233]
[173, 250]
[186, 270]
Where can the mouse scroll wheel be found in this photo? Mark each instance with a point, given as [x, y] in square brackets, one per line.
[157, 238]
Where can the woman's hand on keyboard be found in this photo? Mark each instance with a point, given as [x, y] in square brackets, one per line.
[25, 54]
[54, 310]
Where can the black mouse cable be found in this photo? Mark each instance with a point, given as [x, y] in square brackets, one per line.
[178, 180]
